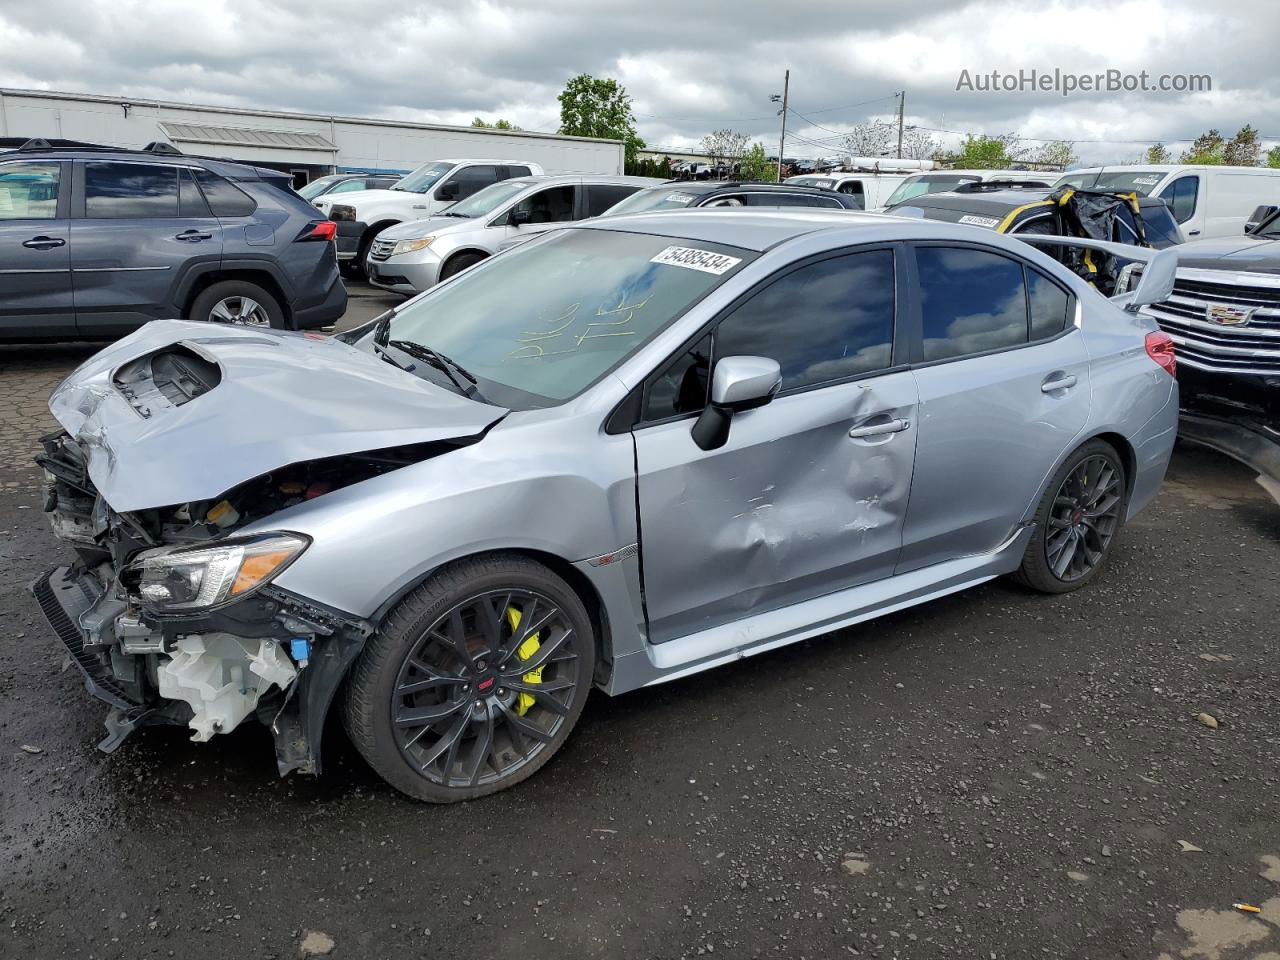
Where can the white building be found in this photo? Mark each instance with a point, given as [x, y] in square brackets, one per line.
[308, 145]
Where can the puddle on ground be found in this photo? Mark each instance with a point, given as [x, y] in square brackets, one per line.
[1231, 934]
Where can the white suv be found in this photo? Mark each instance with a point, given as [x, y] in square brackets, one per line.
[423, 193]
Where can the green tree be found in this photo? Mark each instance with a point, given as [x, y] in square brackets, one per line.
[1158, 153]
[1273, 158]
[1056, 153]
[985, 153]
[1244, 148]
[496, 125]
[1208, 148]
[755, 165]
[597, 107]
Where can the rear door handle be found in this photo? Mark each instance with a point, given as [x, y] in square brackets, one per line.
[193, 236]
[44, 243]
[1193, 233]
[880, 429]
[1062, 383]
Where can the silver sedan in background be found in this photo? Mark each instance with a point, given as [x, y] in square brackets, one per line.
[628, 451]
[412, 257]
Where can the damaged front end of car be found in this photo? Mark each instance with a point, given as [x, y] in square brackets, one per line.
[172, 618]
[182, 459]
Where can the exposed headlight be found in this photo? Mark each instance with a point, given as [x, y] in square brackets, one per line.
[408, 246]
[1128, 277]
[340, 211]
[201, 578]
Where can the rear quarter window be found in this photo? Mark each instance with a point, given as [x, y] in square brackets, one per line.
[225, 198]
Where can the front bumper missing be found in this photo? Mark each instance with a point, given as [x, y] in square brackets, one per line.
[81, 613]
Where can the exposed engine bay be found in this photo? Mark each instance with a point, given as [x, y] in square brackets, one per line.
[171, 616]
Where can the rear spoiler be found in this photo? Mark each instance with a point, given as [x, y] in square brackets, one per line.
[1160, 266]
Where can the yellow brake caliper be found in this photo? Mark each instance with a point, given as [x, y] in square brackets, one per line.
[525, 651]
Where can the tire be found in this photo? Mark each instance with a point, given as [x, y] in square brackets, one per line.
[440, 723]
[1076, 507]
[219, 300]
[459, 262]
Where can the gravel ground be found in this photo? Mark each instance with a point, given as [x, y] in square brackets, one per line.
[997, 774]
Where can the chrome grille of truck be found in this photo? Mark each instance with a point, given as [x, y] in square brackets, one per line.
[1249, 347]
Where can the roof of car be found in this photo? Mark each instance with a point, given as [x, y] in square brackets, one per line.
[993, 201]
[228, 168]
[707, 186]
[605, 179]
[738, 227]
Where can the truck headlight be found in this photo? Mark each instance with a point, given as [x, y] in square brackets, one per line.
[409, 246]
[174, 580]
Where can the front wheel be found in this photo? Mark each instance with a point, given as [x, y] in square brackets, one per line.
[459, 262]
[1077, 521]
[474, 680]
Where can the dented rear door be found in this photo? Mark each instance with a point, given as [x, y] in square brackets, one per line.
[809, 494]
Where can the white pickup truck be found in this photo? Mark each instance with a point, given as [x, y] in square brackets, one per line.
[362, 214]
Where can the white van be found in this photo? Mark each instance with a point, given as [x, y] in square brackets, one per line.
[940, 181]
[871, 189]
[1207, 201]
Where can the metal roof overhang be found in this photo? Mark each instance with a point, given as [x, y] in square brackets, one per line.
[254, 143]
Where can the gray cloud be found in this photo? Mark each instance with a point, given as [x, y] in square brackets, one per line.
[690, 66]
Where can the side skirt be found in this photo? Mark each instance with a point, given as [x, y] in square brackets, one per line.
[658, 663]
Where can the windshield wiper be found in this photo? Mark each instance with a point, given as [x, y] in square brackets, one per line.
[454, 371]
[450, 213]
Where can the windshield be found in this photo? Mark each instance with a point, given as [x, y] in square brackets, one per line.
[655, 198]
[923, 183]
[316, 187]
[422, 179]
[1141, 182]
[1076, 180]
[488, 200]
[544, 321]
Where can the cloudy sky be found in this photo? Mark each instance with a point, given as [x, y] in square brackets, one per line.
[690, 65]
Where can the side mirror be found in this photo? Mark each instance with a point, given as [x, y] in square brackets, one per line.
[518, 218]
[1156, 283]
[447, 191]
[737, 384]
[1262, 212]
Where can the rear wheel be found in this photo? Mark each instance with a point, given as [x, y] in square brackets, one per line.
[239, 302]
[1077, 521]
[474, 680]
[458, 263]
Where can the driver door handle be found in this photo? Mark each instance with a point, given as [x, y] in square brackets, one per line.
[880, 429]
[44, 243]
[1062, 383]
[193, 236]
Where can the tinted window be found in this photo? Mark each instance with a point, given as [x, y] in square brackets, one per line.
[349, 186]
[518, 172]
[1181, 197]
[225, 198]
[790, 200]
[827, 321]
[1162, 231]
[600, 197]
[191, 201]
[130, 191]
[1049, 305]
[470, 180]
[971, 301]
[28, 191]
[681, 387]
[548, 206]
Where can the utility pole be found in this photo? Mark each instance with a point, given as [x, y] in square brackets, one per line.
[782, 142]
[902, 102]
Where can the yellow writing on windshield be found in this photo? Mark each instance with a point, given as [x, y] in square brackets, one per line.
[561, 339]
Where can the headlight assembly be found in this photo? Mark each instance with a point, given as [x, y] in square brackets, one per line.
[188, 579]
[409, 246]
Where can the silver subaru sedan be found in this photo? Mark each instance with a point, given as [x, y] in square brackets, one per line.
[627, 451]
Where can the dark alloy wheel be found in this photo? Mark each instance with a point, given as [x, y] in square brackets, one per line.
[474, 681]
[1077, 520]
[1083, 518]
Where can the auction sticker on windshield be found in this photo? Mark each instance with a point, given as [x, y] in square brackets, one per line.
[979, 221]
[678, 198]
[692, 259]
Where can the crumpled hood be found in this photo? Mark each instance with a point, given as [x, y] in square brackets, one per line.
[1250, 254]
[283, 398]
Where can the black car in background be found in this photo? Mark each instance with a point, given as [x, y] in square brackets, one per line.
[687, 194]
[1224, 318]
[95, 241]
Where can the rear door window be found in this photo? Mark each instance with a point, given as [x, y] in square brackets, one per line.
[471, 180]
[602, 196]
[130, 191]
[554, 205]
[972, 301]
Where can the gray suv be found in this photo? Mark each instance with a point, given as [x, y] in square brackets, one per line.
[96, 241]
